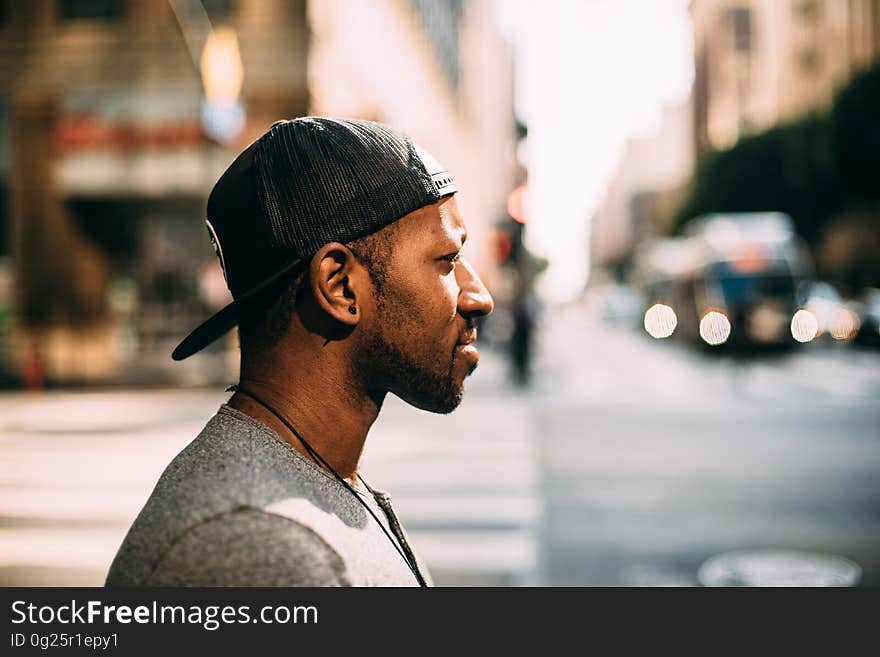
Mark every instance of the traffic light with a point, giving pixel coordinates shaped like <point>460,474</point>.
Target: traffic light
<point>517,204</point>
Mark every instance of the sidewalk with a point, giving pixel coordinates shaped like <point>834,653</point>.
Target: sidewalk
<point>466,484</point>
<point>76,468</point>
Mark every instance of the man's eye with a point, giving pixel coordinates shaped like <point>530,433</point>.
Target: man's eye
<point>452,257</point>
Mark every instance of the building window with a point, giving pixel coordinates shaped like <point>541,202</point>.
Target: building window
<point>808,10</point>
<point>219,10</point>
<point>90,9</point>
<point>740,19</point>
<point>809,60</point>
<point>808,15</point>
<point>440,19</point>
<point>874,9</point>
<point>4,191</point>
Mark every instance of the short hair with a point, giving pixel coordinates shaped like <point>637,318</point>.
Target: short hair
<point>264,320</point>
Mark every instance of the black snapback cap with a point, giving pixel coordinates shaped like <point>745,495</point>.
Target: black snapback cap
<point>303,184</point>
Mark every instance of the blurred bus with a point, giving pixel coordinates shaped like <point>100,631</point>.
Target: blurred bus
<point>732,280</point>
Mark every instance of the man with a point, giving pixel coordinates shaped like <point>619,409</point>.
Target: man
<point>340,241</point>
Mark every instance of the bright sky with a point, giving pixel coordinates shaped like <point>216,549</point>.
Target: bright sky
<point>590,74</point>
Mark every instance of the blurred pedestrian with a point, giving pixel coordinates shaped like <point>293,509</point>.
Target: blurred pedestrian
<point>524,318</point>
<point>340,241</point>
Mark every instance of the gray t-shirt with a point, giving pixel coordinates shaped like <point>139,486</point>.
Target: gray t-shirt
<point>239,506</point>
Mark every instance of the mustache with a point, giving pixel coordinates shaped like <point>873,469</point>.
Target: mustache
<point>468,334</point>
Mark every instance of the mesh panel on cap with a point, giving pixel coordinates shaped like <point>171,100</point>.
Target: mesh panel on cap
<point>324,180</point>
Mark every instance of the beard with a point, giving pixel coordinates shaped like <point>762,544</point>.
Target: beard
<point>431,388</point>
<point>417,376</point>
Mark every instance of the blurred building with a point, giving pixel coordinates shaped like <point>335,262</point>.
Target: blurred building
<point>116,118</point>
<point>440,71</point>
<point>757,63</point>
<point>646,186</point>
<point>760,62</point>
<point>110,164</point>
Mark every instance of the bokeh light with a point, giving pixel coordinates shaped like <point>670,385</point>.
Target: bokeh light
<point>844,325</point>
<point>804,326</point>
<point>517,204</point>
<point>766,323</point>
<point>714,328</point>
<point>223,113</point>
<point>660,321</point>
<point>220,66</point>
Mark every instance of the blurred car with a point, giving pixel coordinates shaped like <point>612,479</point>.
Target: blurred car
<point>868,333</point>
<point>824,302</point>
<point>732,280</point>
<point>839,320</point>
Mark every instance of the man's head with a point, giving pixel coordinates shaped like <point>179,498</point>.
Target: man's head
<point>417,342</point>
<point>360,248</point>
<point>415,301</point>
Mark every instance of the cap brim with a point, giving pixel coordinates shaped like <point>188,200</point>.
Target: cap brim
<point>214,327</point>
<point>220,323</point>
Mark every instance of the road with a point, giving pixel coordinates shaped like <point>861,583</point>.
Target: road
<point>678,457</point>
<point>630,462</point>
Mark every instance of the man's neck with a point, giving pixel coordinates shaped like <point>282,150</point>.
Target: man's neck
<point>319,402</point>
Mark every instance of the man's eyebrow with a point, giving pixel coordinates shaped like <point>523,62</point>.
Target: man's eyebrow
<point>451,238</point>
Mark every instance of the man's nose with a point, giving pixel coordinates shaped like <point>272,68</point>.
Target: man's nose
<point>474,299</point>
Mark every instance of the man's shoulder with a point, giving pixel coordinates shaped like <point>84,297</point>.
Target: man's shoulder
<point>248,546</point>
<point>234,460</point>
<point>224,479</point>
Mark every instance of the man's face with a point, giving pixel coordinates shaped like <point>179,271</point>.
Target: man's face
<point>417,345</point>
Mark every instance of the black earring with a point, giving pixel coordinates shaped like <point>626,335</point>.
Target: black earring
<point>352,310</point>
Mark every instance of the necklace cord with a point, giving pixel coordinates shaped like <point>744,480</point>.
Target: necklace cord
<point>320,461</point>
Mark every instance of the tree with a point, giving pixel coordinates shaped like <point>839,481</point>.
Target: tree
<point>788,168</point>
<point>812,169</point>
<point>855,138</point>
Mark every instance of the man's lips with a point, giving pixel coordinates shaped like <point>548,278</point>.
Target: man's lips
<point>467,339</point>
<point>466,348</point>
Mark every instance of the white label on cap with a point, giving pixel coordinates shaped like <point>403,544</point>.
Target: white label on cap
<point>441,177</point>
<point>215,241</point>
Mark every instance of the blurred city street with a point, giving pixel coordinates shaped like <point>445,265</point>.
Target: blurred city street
<point>630,462</point>
<point>655,458</point>
<point>679,379</point>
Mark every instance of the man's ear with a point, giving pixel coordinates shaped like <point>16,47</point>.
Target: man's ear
<point>338,282</point>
